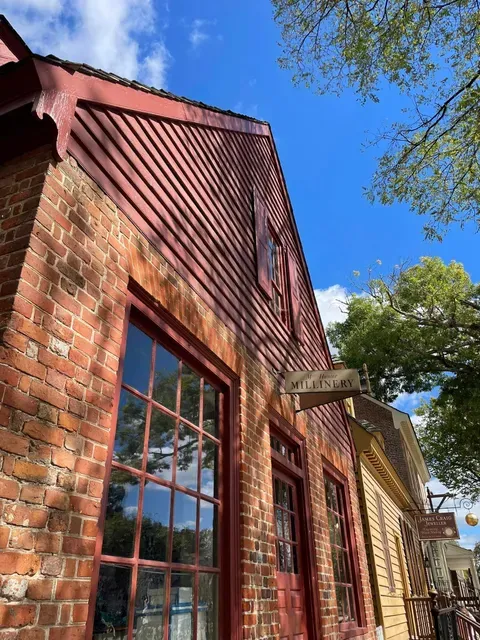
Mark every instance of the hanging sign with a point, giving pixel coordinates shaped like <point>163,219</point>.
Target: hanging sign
<point>321,387</point>
<point>437,526</point>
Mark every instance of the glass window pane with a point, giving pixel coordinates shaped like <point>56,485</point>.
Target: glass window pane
<point>286,526</point>
<point>149,599</point>
<point>155,522</point>
<point>128,448</point>
<point>187,458</point>
<point>138,359</point>
<point>336,568</point>
<point>281,556</point>
<point>210,410</point>
<point>208,534</point>
<point>120,521</point>
<point>190,395</point>
<point>283,495</point>
<point>339,592</point>
<point>288,558</point>
<point>181,607</point>
<point>207,621</point>
<point>165,379</point>
<point>160,445</point>
<point>278,520</point>
<point>184,527</point>
<point>111,608</point>
<point>209,468</point>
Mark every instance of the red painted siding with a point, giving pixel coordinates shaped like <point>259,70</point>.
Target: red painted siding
<point>189,189</point>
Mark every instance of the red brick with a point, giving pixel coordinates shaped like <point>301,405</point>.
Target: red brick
<point>14,444</point>
<point>18,400</point>
<point>94,433</point>
<point>4,536</point>
<point>47,542</point>
<point>73,590</point>
<point>43,432</point>
<point>48,614</point>
<point>21,563</point>
<point>90,528</point>
<point>80,612</point>
<point>20,362</point>
<point>58,521</point>
<point>78,546</point>
<point>32,493</point>
<point>16,615</point>
<point>29,471</point>
<point>62,458</point>
<point>25,516</point>
<point>56,499</point>
<point>9,488</point>
<point>85,568</point>
<point>22,539</point>
<point>47,394</point>
<point>69,422</point>
<point>31,634</point>
<point>67,633</point>
<point>89,468</point>
<point>40,589</point>
<point>84,506</point>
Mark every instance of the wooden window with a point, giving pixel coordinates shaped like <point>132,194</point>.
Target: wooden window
<point>158,550</point>
<point>277,271</point>
<point>415,562</point>
<point>351,616</point>
<point>386,548</point>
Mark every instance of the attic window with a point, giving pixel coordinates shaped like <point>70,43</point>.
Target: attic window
<point>276,272</point>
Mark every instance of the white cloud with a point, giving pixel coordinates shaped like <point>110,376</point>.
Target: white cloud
<point>108,34</point>
<point>198,34</point>
<point>331,304</point>
<point>408,402</point>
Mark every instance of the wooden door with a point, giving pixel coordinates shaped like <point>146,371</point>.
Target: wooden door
<point>290,579</point>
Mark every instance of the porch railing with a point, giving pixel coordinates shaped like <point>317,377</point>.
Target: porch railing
<point>419,618</point>
<point>440,617</point>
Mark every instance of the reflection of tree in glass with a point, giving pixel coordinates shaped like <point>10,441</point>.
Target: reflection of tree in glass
<point>112,600</point>
<point>119,523</point>
<point>129,433</point>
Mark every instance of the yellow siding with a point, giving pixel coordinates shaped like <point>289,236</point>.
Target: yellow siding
<point>390,602</point>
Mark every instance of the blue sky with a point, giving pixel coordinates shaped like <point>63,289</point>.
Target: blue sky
<point>226,56</point>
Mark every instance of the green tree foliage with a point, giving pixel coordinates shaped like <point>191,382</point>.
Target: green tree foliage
<point>428,49</point>
<point>419,330</point>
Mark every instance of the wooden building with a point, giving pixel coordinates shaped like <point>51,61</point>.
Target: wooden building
<point>388,501</point>
<point>154,481</point>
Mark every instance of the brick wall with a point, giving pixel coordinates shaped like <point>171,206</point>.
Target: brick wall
<point>394,446</point>
<point>65,261</point>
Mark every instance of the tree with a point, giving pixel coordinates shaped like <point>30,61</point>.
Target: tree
<point>428,49</point>
<point>419,330</point>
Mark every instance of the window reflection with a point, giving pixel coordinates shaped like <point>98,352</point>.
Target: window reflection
<point>138,357</point>
<point>111,611</point>
<point>160,445</point>
<point>120,521</point>
<point>184,528</point>
<point>187,458</point>
<point>128,448</point>
<point>190,395</point>
<point>155,521</point>
<point>208,534</point>
<point>207,623</point>
<point>209,468</point>
<point>181,607</point>
<point>149,602</point>
<point>165,378</point>
<point>210,410</point>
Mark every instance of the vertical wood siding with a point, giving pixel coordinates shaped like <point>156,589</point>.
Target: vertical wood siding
<point>188,188</point>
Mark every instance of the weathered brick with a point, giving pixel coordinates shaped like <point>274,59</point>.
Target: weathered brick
<point>25,516</point>
<point>21,563</point>
<point>9,489</point>
<point>45,433</point>
<point>13,444</point>
<point>30,471</point>
<point>40,589</point>
<point>16,615</point>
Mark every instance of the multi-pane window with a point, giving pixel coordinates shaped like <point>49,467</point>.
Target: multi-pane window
<point>159,568</point>
<point>285,505</point>
<point>341,552</point>
<point>277,276</point>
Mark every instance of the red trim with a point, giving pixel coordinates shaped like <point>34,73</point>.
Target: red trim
<point>296,440</point>
<point>229,554</point>
<point>359,626</point>
<point>13,41</point>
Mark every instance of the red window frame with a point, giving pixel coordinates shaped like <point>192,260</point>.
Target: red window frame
<point>278,277</point>
<point>357,626</point>
<point>174,337</point>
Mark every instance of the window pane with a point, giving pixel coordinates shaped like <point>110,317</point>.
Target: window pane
<point>128,448</point>
<point>278,520</point>
<point>209,468</point>
<point>165,379</point>
<point>207,625</point>
<point>187,458</point>
<point>208,534</point>
<point>155,522</point>
<point>288,558</point>
<point>120,521</point>
<point>111,608</point>
<point>149,601</point>
<point>210,410</point>
<point>283,495</point>
<point>184,527</point>
<point>138,357</point>
<point>190,395</point>
<point>181,607</point>
<point>160,445</point>
<point>286,526</point>
<point>281,556</point>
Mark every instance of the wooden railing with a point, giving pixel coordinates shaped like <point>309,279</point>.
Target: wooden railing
<point>419,618</point>
<point>467,628</point>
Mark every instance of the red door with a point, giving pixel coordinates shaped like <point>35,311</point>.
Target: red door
<point>290,582</point>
